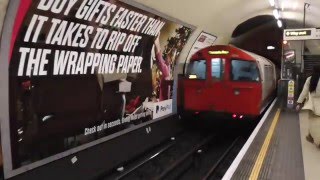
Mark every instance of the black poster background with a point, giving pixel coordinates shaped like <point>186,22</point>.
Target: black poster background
<point>49,113</point>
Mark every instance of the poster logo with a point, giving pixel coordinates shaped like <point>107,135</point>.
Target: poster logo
<point>162,108</point>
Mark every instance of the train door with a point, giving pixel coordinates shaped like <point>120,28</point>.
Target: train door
<point>216,85</point>
<point>195,86</point>
<point>204,89</point>
<point>244,88</point>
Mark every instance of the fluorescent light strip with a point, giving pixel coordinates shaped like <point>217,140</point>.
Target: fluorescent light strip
<point>276,14</point>
<point>270,47</point>
<point>279,22</point>
<point>272,3</point>
<point>295,5</point>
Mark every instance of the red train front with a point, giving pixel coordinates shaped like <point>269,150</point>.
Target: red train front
<point>227,81</point>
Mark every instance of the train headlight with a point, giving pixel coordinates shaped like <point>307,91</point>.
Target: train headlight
<point>236,92</point>
<point>193,76</point>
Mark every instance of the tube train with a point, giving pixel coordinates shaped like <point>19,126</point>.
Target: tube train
<point>228,81</point>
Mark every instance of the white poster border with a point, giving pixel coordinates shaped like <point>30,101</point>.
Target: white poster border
<point>192,49</point>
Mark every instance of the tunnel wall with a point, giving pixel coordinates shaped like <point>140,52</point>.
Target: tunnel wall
<point>3,9</point>
<point>257,40</point>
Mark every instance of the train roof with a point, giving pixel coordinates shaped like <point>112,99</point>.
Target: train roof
<point>228,51</point>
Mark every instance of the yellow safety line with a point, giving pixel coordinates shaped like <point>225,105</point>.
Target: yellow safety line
<point>258,164</point>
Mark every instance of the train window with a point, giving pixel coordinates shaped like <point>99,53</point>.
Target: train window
<point>268,72</point>
<point>197,69</point>
<point>217,68</point>
<point>244,71</point>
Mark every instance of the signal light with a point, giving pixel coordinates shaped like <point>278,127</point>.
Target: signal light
<point>234,116</point>
<point>241,117</point>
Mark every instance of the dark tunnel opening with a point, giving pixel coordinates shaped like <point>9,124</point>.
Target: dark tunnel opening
<point>256,34</point>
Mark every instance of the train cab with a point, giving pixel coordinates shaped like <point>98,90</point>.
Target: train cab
<point>227,81</point>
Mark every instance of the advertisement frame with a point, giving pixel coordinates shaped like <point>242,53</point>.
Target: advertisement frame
<point>8,24</point>
<point>294,59</point>
<point>193,46</point>
<point>287,65</point>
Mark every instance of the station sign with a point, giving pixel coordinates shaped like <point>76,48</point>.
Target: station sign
<point>301,34</point>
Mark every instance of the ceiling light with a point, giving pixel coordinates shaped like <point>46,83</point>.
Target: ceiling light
<point>272,3</point>
<point>270,47</point>
<point>290,15</point>
<point>282,5</point>
<point>287,4</point>
<point>276,14</point>
<point>279,23</point>
<point>295,5</point>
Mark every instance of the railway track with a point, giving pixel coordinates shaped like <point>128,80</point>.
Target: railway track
<point>153,162</point>
<point>223,158</point>
<point>188,156</point>
<point>211,162</point>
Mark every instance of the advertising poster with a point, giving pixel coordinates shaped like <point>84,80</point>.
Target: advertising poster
<point>289,56</point>
<point>204,40</point>
<point>80,70</point>
<point>289,60</point>
<point>290,98</point>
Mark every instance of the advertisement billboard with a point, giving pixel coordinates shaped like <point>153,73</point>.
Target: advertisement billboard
<point>288,63</point>
<point>82,70</point>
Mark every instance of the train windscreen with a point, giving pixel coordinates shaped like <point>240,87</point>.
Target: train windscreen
<point>244,71</point>
<point>197,69</point>
<point>217,68</point>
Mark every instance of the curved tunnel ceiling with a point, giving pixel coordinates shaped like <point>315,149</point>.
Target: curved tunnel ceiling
<point>250,24</point>
<point>222,17</point>
<point>242,23</point>
<point>214,16</point>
